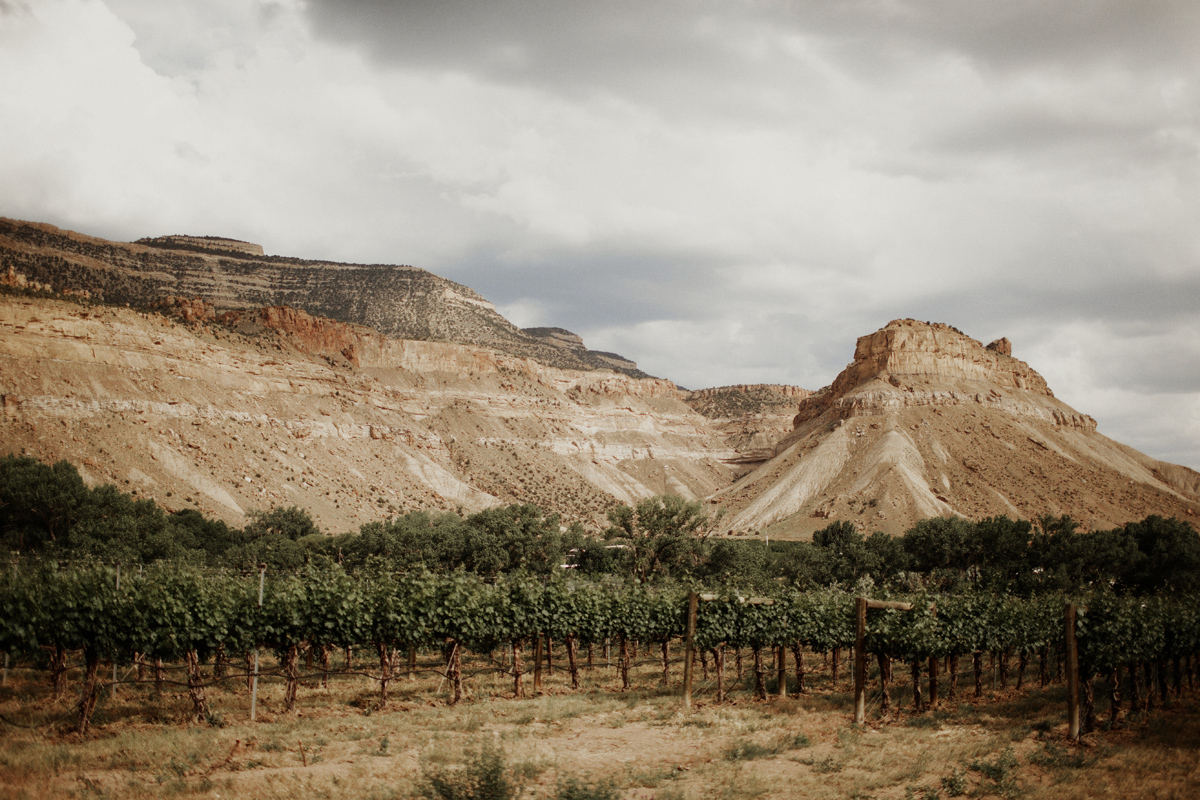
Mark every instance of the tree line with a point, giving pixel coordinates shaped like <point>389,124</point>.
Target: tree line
<point>46,511</point>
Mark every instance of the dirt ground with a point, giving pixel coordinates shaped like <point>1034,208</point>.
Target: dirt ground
<point>641,741</point>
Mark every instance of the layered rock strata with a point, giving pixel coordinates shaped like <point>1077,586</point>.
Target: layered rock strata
<point>400,301</point>
<point>927,421</point>
<point>752,418</point>
<point>277,407</point>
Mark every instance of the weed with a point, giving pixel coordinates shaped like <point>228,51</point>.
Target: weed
<point>920,793</point>
<point>999,771</point>
<point>91,788</point>
<point>697,722</point>
<point>922,721</point>
<point>483,777</point>
<point>823,767</point>
<point>955,784</point>
<point>575,789</point>
<point>649,778</point>
<point>383,746</point>
<point>1055,756</point>
<point>748,751</point>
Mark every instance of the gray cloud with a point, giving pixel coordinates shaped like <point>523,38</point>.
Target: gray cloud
<point>725,191</point>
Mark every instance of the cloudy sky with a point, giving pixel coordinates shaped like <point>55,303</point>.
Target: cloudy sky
<point>726,192</point>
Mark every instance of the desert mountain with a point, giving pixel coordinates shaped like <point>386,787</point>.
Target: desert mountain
<point>927,421</point>
<point>399,301</point>
<point>273,406</point>
<point>395,389</point>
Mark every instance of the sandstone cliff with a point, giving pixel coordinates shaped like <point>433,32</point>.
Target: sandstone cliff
<point>277,407</point>
<point>751,418</point>
<point>927,421</point>
<point>400,301</point>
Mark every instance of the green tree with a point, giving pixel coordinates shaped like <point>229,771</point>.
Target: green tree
<point>1169,555</point>
<point>663,535</point>
<point>39,504</point>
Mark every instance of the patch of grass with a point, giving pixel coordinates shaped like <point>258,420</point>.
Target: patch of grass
<point>1001,771</point>
<point>572,788</point>
<point>748,751</point>
<point>799,742</point>
<point>825,766</point>
<point>649,778</point>
<point>1057,757</point>
<point>955,784</point>
<point>484,776</point>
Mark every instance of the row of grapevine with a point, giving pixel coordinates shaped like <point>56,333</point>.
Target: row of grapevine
<point>178,614</point>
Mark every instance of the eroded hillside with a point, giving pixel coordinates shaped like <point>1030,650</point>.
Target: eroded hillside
<point>927,421</point>
<point>276,407</point>
<point>400,301</point>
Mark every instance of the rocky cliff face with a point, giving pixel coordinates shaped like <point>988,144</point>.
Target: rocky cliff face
<point>909,364</point>
<point>927,421</point>
<point>277,407</point>
<point>751,418</point>
<point>400,301</point>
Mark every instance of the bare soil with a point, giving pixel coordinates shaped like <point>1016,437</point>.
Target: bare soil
<point>338,744</point>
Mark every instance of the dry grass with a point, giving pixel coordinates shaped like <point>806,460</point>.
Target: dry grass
<point>337,746</point>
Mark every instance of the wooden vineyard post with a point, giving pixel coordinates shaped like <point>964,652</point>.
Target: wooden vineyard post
<point>1072,673</point>
<point>861,606</point>
<point>262,577</point>
<point>114,666</point>
<point>4,679</point>
<point>537,664</point>
<point>781,669</point>
<point>860,661</point>
<point>689,648</point>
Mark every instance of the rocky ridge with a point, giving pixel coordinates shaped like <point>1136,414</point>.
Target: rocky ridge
<point>927,421</point>
<point>277,407</point>
<point>400,301</point>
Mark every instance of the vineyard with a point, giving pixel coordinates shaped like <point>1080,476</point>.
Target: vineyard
<point>209,627</point>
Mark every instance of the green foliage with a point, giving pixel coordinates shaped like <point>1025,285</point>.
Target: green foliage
<point>572,788</point>
<point>1169,555</point>
<point>483,777</point>
<point>955,784</point>
<point>39,503</point>
<point>1000,771</point>
<point>663,536</point>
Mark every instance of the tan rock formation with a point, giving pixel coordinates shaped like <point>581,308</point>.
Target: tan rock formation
<point>218,243</point>
<point>400,301</point>
<point>278,407</point>
<point>927,421</point>
<point>751,418</point>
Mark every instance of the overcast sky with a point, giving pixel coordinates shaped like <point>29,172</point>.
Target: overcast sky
<point>725,192</point>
